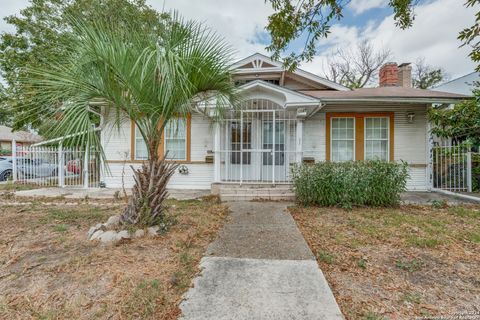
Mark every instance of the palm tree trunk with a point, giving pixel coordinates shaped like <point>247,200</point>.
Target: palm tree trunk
<point>146,206</point>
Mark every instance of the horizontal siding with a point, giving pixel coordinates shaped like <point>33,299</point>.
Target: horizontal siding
<point>410,146</point>
<point>417,180</point>
<point>200,176</point>
<point>202,137</point>
<point>410,143</point>
<point>116,141</point>
<point>314,137</point>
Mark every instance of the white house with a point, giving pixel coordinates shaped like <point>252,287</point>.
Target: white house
<point>284,118</point>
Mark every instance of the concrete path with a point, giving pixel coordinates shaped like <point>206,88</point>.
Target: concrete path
<point>104,193</point>
<point>260,267</point>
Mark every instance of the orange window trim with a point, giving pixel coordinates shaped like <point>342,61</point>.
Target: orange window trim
<point>161,147</point>
<point>359,131</point>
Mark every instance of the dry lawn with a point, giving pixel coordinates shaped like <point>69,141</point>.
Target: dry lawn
<point>397,263</point>
<point>48,270</point>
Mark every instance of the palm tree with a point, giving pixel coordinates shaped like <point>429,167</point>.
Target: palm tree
<point>144,76</point>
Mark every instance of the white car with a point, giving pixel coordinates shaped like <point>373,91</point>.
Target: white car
<point>5,168</point>
<point>35,168</point>
<point>27,168</point>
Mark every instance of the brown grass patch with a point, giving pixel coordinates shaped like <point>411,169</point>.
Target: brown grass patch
<point>49,270</point>
<point>397,263</point>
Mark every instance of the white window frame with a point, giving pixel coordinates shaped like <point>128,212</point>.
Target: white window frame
<point>365,136</point>
<point>186,139</point>
<point>135,144</point>
<point>354,136</point>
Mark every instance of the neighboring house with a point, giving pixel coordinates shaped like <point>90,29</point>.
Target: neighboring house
<point>22,138</point>
<point>286,118</point>
<point>462,85</point>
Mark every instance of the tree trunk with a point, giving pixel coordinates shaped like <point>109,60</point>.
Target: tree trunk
<point>146,206</point>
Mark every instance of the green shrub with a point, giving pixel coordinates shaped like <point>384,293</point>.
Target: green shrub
<point>348,184</point>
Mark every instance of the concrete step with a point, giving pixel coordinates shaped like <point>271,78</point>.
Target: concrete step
<point>248,192</point>
<point>250,197</point>
<point>216,187</point>
<point>259,192</point>
<point>252,186</point>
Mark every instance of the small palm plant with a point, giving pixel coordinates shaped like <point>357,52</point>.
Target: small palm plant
<point>132,74</point>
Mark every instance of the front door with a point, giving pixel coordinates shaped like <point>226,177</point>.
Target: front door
<point>257,148</point>
<point>273,157</point>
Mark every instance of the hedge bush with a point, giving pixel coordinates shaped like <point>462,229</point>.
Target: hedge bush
<point>347,184</point>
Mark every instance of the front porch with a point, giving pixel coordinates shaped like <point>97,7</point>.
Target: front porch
<point>258,143</point>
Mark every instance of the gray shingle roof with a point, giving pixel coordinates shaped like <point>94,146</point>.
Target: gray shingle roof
<point>384,92</point>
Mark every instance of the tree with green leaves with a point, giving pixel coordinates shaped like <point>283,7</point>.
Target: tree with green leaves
<point>314,18</point>
<point>471,36</point>
<point>462,122</point>
<point>42,35</point>
<point>5,110</point>
<point>132,73</point>
<point>426,76</point>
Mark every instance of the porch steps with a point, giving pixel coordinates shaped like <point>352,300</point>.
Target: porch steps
<point>249,192</point>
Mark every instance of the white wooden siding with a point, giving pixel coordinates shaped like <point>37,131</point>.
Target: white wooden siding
<point>117,148</point>
<point>116,141</point>
<point>409,138</point>
<point>200,176</point>
<point>202,137</point>
<point>410,145</point>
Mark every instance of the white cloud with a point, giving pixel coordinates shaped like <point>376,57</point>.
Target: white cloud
<point>239,22</point>
<point>360,6</point>
<point>10,7</point>
<point>432,36</point>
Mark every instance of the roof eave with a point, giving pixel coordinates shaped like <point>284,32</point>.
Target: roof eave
<point>394,100</point>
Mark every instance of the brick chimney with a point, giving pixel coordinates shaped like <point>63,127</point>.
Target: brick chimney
<point>388,75</point>
<point>405,75</point>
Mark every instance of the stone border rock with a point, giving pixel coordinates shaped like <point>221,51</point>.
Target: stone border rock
<point>106,233</point>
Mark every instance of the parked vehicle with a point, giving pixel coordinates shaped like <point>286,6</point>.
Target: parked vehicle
<point>36,168</point>
<point>5,168</point>
<point>75,166</point>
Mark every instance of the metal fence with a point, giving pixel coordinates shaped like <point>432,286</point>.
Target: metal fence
<point>452,167</point>
<point>56,166</point>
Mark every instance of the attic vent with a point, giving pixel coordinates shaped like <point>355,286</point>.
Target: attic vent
<point>257,63</point>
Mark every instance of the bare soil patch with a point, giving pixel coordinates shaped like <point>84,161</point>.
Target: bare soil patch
<point>397,263</point>
<point>49,270</point>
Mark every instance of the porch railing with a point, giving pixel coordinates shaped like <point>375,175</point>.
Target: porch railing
<point>262,166</point>
<point>452,167</point>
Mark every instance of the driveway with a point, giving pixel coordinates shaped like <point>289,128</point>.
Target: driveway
<point>260,267</point>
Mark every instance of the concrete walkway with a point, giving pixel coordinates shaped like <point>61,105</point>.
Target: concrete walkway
<point>104,193</point>
<point>260,267</point>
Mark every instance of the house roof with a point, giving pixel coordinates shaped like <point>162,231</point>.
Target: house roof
<point>461,85</point>
<point>281,95</point>
<point>393,94</point>
<point>6,134</point>
<point>259,63</point>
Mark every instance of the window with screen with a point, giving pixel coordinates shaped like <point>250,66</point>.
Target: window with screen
<point>141,151</point>
<point>176,139</point>
<point>376,138</point>
<point>343,139</point>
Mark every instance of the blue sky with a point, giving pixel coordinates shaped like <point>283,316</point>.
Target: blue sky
<point>242,23</point>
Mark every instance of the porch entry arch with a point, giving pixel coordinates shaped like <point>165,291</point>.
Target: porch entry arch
<point>258,143</point>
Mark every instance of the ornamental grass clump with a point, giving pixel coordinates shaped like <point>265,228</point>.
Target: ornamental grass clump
<point>348,184</point>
